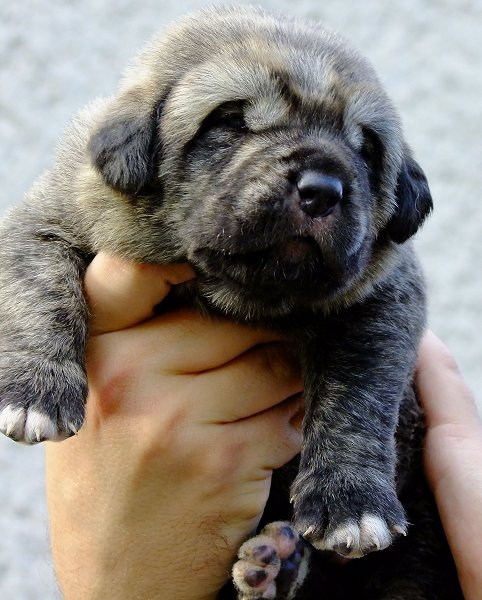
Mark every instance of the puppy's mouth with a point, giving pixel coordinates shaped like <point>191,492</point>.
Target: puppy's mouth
<point>296,262</point>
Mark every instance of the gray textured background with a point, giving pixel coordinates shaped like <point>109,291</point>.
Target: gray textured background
<point>58,54</point>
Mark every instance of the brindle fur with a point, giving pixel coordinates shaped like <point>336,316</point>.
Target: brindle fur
<point>197,158</point>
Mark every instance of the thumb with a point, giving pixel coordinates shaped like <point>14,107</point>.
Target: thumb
<point>121,294</point>
<point>445,398</point>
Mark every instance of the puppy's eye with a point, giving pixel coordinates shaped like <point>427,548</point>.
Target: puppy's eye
<point>372,154</point>
<point>372,149</point>
<point>219,129</point>
<point>228,116</point>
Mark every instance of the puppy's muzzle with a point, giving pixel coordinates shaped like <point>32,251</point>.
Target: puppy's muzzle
<point>318,193</point>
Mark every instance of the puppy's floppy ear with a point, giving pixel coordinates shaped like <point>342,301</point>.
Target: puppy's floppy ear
<point>414,201</point>
<point>123,147</point>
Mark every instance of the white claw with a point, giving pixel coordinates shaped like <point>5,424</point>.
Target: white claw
<point>39,426</point>
<point>359,537</point>
<point>309,531</point>
<point>400,530</point>
<point>73,428</point>
<point>374,532</point>
<point>12,420</point>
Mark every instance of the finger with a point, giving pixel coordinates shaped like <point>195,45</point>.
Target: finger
<point>260,379</point>
<point>251,383</point>
<point>121,294</point>
<point>180,341</point>
<point>273,436</point>
<point>445,397</point>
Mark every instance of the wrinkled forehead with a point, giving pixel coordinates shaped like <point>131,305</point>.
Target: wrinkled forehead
<point>271,87</point>
<point>279,85</point>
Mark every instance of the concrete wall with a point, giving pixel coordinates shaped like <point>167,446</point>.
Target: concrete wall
<point>58,54</point>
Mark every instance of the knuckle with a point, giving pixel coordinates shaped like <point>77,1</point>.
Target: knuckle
<point>450,364</point>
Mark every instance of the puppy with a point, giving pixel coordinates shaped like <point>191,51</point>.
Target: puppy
<point>265,152</point>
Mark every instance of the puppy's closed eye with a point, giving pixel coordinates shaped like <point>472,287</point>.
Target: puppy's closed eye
<point>372,153</point>
<point>220,129</point>
<point>229,115</point>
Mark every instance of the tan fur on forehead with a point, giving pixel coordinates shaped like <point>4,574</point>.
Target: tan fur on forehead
<point>274,79</point>
<point>243,35</point>
<point>222,80</point>
<point>237,31</point>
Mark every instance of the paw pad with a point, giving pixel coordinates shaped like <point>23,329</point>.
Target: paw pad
<point>272,564</point>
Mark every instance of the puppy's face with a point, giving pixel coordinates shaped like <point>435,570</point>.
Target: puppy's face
<point>281,211</point>
<point>276,165</point>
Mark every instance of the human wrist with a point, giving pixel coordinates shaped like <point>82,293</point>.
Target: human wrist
<point>95,569</point>
<point>100,553</point>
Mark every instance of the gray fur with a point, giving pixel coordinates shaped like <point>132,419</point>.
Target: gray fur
<point>197,158</point>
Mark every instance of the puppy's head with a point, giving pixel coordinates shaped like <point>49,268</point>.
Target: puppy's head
<point>266,153</point>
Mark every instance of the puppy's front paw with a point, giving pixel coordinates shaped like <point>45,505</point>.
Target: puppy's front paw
<point>41,400</point>
<point>351,516</point>
<point>272,565</point>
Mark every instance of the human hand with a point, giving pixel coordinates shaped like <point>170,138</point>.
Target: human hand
<point>453,458</point>
<point>186,419</point>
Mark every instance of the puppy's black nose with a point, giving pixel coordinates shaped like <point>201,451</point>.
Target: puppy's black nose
<point>319,193</point>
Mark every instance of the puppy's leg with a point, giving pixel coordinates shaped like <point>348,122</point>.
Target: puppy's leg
<point>344,495</point>
<point>43,327</point>
<point>273,565</point>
